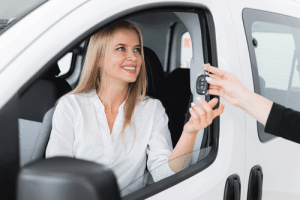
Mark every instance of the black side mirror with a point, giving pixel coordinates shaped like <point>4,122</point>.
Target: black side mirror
<point>63,178</point>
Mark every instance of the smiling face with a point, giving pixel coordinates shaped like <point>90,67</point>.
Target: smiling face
<point>123,59</point>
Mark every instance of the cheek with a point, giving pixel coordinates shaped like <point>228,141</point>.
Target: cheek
<point>117,60</point>
<point>139,61</point>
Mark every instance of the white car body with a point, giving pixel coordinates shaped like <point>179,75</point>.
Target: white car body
<point>30,44</point>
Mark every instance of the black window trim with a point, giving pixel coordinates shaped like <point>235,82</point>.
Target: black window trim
<point>9,148</point>
<point>251,15</point>
<point>210,55</point>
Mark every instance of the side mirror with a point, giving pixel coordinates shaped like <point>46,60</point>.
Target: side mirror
<point>63,178</point>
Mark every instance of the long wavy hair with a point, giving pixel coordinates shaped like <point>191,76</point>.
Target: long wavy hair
<point>90,76</point>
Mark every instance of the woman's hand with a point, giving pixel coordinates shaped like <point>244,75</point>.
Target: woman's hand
<point>202,117</point>
<point>226,85</point>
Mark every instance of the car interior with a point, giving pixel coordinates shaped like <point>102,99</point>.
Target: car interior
<point>167,81</point>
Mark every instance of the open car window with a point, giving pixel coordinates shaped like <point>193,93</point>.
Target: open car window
<point>205,146</point>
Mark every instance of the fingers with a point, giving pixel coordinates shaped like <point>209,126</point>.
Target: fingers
<point>212,103</point>
<point>202,117</point>
<point>220,110</point>
<point>214,70</point>
<point>215,81</point>
<point>204,104</point>
<point>211,114</point>
<point>215,91</point>
<point>193,113</point>
<point>198,110</point>
<point>213,87</point>
<point>214,76</point>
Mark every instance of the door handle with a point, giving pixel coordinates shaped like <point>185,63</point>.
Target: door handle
<point>232,188</point>
<point>255,183</point>
<point>236,189</point>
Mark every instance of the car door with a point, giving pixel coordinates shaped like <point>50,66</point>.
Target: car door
<point>219,163</point>
<point>197,187</point>
<point>268,36</point>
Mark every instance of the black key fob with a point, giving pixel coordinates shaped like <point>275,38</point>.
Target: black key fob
<point>202,85</point>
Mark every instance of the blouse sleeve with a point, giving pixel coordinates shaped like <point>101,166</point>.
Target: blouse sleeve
<point>284,122</point>
<point>160,145</point>
<point>62,133</point>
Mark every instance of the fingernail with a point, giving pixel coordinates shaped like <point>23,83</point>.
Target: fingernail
<point>206,65</point>
<point>208,79</point>
<point>199,98</point>
<point>193,103</point>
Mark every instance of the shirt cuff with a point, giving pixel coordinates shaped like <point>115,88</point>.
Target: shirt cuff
<point>162,172</point>
<point>274,119</point>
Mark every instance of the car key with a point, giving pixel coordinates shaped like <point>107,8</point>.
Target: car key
<point>201,84</point>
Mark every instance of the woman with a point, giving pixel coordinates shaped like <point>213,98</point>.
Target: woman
<point>278,120</point>
<point>108,111</point>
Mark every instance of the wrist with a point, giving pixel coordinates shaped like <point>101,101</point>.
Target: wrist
<point>243,98</point>
<point>189,134</point>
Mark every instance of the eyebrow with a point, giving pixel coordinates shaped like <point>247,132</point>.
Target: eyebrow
<point>126,45</point>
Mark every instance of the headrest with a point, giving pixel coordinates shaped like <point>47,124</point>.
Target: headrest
<point>155,73</point>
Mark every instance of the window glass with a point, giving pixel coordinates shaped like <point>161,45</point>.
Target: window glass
<point>277,62</point>
<point>64,64</point>
<point>186,50</point>
<point>274,47</point>
<point>162,171</point>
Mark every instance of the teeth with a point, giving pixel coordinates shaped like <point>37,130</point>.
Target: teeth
<point>131,68</point>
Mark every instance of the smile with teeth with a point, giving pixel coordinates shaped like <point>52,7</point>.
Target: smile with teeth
<point>132,68</point>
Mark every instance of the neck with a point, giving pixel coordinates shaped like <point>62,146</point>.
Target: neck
<point>112,95</point>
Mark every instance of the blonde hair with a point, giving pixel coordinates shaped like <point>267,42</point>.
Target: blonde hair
<point>90,76</point>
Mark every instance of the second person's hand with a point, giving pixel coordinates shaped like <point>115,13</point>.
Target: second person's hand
<point>226,85</point>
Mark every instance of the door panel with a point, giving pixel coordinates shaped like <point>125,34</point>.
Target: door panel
<point>277,157</point>
<point>210,183</point>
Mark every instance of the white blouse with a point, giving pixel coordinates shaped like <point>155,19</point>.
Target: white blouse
<point>80,130</point>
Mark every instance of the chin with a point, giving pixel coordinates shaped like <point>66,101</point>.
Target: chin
<point>131,81</point>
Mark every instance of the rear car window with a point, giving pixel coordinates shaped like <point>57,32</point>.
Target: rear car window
<point>186,50</point>
<point>64,64</point>
<point>274,47</point>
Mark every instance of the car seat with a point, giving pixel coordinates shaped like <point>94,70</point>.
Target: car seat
<point>178,87</point>
<point>35,114</point>
<point>157,89</point>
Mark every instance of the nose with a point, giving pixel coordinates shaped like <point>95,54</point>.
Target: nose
<point>131,56</point>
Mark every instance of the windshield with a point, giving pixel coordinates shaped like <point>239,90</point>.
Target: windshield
<point>11,11</point>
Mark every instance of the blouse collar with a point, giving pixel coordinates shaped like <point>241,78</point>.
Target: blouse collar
<point>94,94</point>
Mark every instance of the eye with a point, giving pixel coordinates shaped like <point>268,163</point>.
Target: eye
<point>121,48</point>
<point>138,50</point>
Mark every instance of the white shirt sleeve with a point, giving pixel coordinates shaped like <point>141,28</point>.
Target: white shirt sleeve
<point>160,145</point>
<point>62,133</point>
